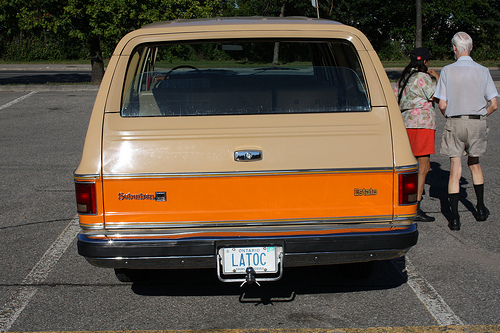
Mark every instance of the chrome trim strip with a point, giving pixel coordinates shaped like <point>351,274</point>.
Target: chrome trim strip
<point>407,168</point>
<point>168,235</point>
<point>85,177</point>
<point>290,260</point>
<point>405,217</point>
<point>247,173</point>
<point>328,258</point>
<point>358,220</point>
<point>155,262</point>
<point>92,226</point>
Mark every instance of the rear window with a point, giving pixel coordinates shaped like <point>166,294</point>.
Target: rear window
<point>242,77</point>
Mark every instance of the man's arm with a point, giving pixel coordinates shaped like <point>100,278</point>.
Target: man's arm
<point>442,106</point>
<point>492,106</point>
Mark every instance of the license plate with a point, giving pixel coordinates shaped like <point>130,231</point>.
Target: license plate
<point>263,259</point>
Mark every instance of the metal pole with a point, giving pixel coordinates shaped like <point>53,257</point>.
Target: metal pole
<point>315,4</point>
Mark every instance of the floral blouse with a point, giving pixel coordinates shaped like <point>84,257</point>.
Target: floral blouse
<point>416,106</point>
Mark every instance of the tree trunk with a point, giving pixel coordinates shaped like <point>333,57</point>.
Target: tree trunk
<point>418,39</point>
<point>276,57</point>
<point>96,60</point>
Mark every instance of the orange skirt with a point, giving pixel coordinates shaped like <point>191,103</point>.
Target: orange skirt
<point>422,141</point>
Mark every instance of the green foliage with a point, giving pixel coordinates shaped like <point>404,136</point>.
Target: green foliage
<point>29,48</point>
<point>69,29</point>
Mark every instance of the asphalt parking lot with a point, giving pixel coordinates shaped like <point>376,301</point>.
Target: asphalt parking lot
<point>449,281</point>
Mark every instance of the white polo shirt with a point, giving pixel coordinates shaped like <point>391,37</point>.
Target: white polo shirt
<point>466,87</point>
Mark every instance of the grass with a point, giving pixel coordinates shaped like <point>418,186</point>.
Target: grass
<point>386,64</point>
<point>437,63</point>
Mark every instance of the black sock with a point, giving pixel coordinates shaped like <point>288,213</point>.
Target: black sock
<point>454,197</point>
<point>479,194</point>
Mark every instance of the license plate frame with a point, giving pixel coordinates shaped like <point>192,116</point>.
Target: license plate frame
<point>263,259</point>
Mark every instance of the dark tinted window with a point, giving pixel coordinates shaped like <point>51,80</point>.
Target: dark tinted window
<point>244,77</point>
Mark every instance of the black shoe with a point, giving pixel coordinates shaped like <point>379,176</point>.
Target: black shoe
<point>423,217</point>
<point>482,213</point>
<point>455,222</point>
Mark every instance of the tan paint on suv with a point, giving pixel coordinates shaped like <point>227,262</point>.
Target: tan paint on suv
<point>307,157</point>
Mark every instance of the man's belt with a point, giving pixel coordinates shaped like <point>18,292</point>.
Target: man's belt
<point>469,116</point>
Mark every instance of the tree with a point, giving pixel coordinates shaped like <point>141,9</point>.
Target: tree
<point>98,24</point>
<point>66,28</point>
<point>277,44</point>
<point>390,25</point>
<point>107,21</point>
<point>442,19</point>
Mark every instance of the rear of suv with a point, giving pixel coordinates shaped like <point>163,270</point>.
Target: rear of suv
<point>248,145</point>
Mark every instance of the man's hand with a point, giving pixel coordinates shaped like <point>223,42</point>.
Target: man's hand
<point>442,106</point>
<point>492,106</point>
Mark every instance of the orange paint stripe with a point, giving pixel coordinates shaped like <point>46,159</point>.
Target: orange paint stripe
<point>284,197</point>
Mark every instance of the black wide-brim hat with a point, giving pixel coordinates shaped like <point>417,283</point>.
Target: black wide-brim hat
<point>420,53</point>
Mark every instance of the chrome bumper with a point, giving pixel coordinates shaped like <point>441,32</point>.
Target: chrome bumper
<point>202,253</point>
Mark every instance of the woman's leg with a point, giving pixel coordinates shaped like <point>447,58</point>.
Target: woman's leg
<point>424,165</point>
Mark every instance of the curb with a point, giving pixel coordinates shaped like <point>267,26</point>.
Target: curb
<point>86,87</point>
<point>49,87</point>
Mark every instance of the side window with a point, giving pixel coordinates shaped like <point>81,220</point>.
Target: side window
<point>241,77</point>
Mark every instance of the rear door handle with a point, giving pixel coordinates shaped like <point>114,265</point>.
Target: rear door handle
<point>247,155</point>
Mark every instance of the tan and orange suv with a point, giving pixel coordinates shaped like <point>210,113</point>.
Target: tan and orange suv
<point>248,145</point>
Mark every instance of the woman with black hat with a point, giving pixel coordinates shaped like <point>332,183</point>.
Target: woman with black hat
<point>415,90</point>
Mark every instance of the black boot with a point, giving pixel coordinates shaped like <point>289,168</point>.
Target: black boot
<point>455,222</point>
<point>455,218</point>
<point>422,216</point>
<point>481,211</point>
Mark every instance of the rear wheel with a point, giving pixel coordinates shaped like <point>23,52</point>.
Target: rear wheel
<point>129,275</point>
<point>359,270</point>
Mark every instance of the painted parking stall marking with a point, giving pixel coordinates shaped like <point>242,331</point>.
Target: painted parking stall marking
<point>28,288</point>
<point>17,100</point>
<point>430,298</point>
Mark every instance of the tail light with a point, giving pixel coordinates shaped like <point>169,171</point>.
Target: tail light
<point>408,186</point>
<point>85,198</point>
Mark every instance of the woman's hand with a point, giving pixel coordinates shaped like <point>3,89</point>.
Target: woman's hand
<point>433,73</point>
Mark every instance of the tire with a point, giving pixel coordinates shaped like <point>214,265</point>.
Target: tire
<point>359,271</point>
<point>128,275</point>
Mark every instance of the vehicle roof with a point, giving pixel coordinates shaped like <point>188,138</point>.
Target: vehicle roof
<point>207,27</point>
<point>233,21</point>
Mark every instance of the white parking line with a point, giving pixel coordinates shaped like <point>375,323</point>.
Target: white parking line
<point>17,100</point>
<point>429,297</point>
<point>28,288</point>
<point>434,303</point>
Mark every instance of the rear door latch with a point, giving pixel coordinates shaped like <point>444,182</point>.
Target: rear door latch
<point>247,155</point>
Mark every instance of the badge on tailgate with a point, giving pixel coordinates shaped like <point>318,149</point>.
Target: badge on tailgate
<point>247,155</point>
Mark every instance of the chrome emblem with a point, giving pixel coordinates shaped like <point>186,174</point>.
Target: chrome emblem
<point>161,196</point>
<point>365,192</point>
<point>158,196</point>
<point>247,155</point>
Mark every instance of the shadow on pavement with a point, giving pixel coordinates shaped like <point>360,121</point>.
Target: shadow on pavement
<point>437,178</point>
<point>386,274</point>
<point>46,77</point>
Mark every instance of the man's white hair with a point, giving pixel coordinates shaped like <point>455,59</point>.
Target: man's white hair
<point>463,42</point>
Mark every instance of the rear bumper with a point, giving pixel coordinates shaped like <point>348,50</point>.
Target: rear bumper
<point>202,253</point>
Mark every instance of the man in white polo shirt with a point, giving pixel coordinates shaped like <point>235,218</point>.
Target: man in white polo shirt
<point>467,95</point>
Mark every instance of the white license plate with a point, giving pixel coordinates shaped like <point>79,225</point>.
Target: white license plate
<point>263,259</point>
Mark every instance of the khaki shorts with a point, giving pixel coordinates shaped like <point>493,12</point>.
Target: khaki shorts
<point>464,136</point>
